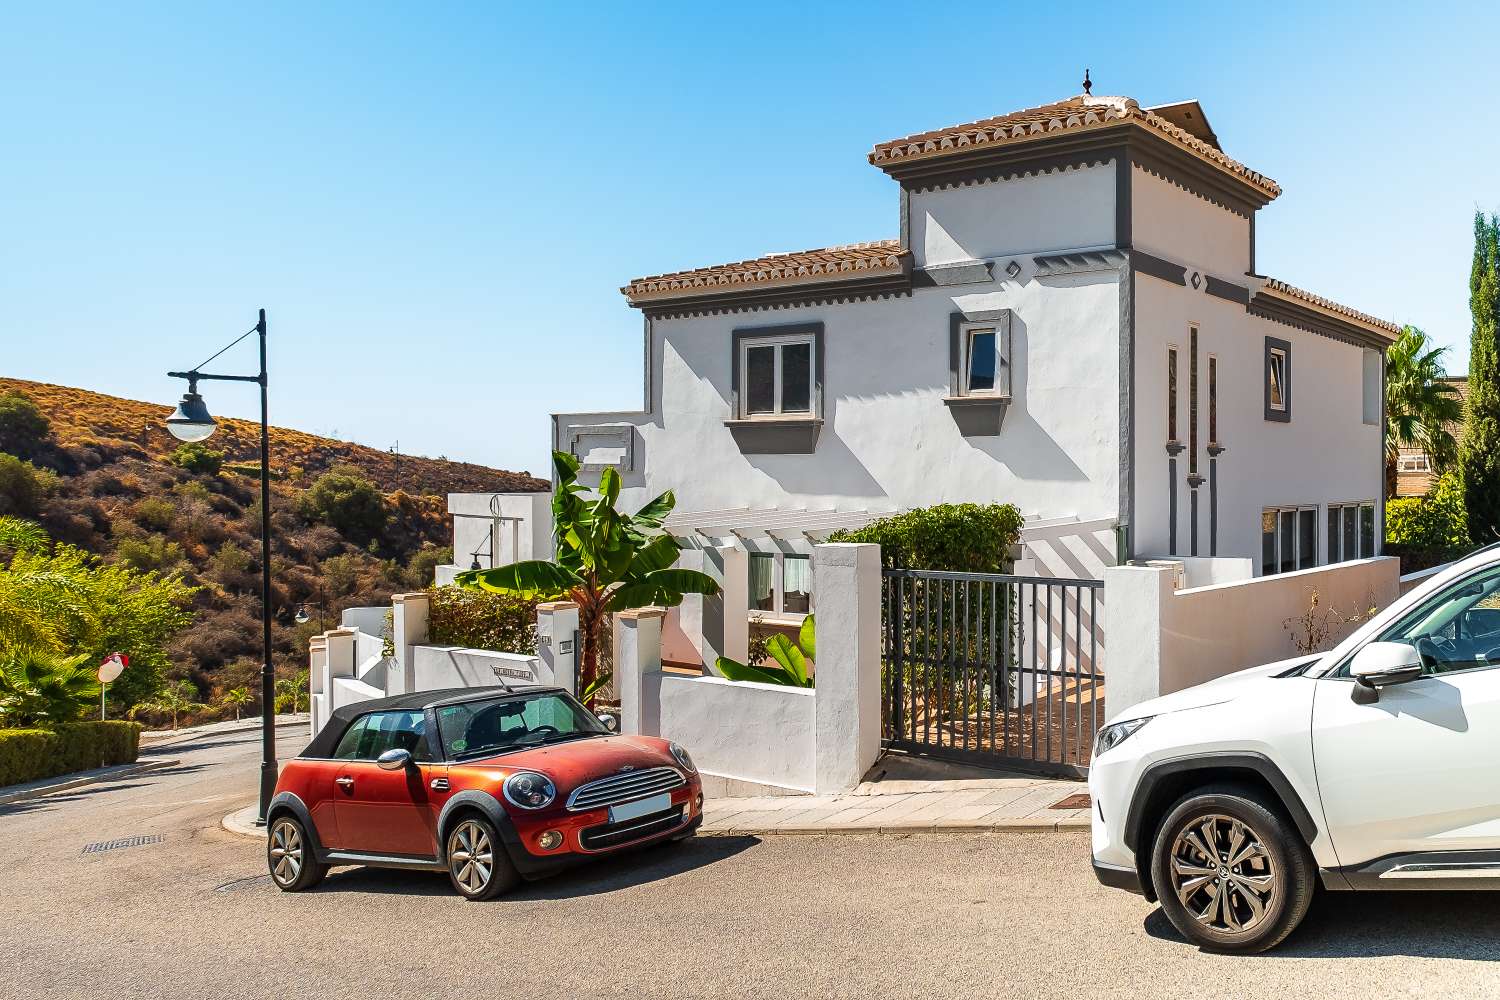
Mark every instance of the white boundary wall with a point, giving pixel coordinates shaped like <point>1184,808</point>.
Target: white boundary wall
<point>1163,640</point>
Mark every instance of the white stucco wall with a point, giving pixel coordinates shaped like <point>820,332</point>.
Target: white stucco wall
<point>453,666</point>
<point>1037,213</point>
<point>1325,454</point>
<point>760,733</point>
<point>888,441</point>
<point>478,536</point>
<point>1172,223</point>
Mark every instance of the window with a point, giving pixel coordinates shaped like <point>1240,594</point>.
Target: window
<point>1213,400</point>
<point>1193,400</point>
<point>1372,389</point>
<point>1456,629</point>
<point>513,722</point>
<point>372,735</point>
<point>1418,462</point>
<point>781,583</point>
<point>981,360</point>
<point>1278,380</point>
<point>1171,394</point>
<point>776,376</point>
<point>1289,539</point>
<point>1351,531</point>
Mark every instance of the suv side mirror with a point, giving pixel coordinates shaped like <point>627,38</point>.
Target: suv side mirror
<point>1381,664</point>
<point>610,722</point>
<point>394,760</point>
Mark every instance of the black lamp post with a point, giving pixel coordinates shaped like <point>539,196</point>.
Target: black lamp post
<point>191,422</point>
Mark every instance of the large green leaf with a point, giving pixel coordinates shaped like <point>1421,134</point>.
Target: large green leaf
<point>736,671</point>
<point>658,554</point>
<point>609,486</point>
<point>534,579</point>
<point>656,511</point>
<point>807,638</point>
<point>566,467</point>
<point>789,656</point>
<point>664,588</point>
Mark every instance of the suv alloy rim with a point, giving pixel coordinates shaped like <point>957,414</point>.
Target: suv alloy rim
<point>1222,874</point>
<point>286,852</point>
<point>471,856</point>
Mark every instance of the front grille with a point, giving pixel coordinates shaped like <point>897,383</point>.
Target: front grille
<point>598,838</point>
<point>619,788</point>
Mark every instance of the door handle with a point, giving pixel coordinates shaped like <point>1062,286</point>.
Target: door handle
<point>345,783</point>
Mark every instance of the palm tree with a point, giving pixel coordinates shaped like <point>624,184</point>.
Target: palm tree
<point>174,700</point>
<point>606,562</point>
<point>235,698</point>
<point>1419,405</point>
<point>38,687</point>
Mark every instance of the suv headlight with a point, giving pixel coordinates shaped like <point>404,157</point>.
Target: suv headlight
<point>530,790</point>
<point>1112,736</point>
<point>683,758</point>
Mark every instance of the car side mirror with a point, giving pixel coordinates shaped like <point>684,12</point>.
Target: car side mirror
<point>610,722</point>
<point>1381,664</point>
<point>394,760</point>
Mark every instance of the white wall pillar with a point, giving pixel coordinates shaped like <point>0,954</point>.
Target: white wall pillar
<point>317,665</point>
<point>410,615</point>
<point>1135,599</point>
<point>637,656</point>
<point>734,599</point>
<point>847,712</point>
<point>339,643</point>
<point>556,626</point>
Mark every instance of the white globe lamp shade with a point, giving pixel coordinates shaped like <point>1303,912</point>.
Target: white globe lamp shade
<point>191,421</point>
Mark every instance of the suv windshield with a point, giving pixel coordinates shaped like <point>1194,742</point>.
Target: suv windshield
<point>514,722</point>
<point>1458,628</point>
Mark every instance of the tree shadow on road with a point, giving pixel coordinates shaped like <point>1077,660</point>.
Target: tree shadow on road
<point>41,802</point>
<point>1461,925</point>
<point>625,871</point>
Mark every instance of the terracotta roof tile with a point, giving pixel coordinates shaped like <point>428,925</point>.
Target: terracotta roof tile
<point>1074,114</point>
<point>1328,305</point>
<point>799,267</point>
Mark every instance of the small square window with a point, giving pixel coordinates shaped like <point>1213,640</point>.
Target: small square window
<point>776,376</point>
<point>983,360</point>
<point>980,355</point>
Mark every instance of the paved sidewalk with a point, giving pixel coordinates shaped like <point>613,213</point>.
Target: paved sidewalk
<point>969,805</point>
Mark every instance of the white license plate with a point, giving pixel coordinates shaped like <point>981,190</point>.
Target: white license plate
<point>640,807</point>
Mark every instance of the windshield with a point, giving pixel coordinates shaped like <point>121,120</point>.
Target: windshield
<point>514,722</point>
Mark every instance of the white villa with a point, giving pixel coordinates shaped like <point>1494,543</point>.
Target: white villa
<point>1071,319</point>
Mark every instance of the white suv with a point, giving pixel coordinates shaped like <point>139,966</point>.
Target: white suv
<point>1373,766</point>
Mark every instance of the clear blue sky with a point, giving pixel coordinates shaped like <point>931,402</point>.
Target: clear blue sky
<point>437,203</point>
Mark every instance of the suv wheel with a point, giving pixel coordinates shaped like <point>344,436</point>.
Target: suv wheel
<point>1231,872</point>
<point>477,863</point>
<point>289,856</point>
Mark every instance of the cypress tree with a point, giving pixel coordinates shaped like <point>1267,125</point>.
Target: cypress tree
<point>1479,454</point>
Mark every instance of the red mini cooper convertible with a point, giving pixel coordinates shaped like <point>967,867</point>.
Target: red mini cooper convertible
<point>491,785</point>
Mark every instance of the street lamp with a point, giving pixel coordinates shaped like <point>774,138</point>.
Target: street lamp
<point>192,422</point>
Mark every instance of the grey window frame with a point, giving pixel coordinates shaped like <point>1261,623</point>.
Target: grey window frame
<point>1345,508</point>
<point>743,340</point>
<point>1297,555</point>
<point>1283,413</point>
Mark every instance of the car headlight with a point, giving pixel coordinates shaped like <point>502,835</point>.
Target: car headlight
<point>530,790</point>
<point>1112,736</point>
<point>683,758</point>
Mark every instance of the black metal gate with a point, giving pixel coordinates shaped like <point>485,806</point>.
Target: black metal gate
<point>993,669</point>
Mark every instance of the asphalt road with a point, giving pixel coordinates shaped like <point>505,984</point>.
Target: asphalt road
<point>1015,915</point>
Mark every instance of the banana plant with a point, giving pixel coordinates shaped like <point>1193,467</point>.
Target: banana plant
<point>607,561</point>
<point>790,669</point>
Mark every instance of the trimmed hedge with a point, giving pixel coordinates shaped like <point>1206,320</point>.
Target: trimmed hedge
<point>975,538</point>
<point>33,754</point>
<point>479,619</point>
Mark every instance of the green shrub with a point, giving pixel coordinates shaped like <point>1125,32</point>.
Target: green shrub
<point>419,570</point>
<point>197,458</point>
<point>41,688</point>
<point>33,754</point>
<point>971,537</point>
<point>478,619</point>
<point>23,486</point>
<point>1435,522</point>
<point>347,501</point>
<point>151,552</point>
<point>22,426</point>
<point>156,513</point>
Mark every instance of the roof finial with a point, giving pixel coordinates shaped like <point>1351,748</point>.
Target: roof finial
<point>1088,85</point>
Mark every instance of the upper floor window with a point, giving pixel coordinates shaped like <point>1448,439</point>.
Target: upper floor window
<point>981,360</point>
<point>1171,394</point>
<point>1414,462</point>
<point>1278,380</point>
<point>980,356</point>
<point>776,375</point>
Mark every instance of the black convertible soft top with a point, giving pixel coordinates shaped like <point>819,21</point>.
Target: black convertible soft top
<point>328,737</point>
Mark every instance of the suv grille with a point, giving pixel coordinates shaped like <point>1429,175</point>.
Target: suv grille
<point>619,788</point>
<point>599,838</point>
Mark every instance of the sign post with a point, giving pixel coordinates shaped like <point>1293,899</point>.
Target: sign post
<point>114,664</point>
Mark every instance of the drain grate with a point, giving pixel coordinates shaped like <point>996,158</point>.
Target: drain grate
<point>114,845</point>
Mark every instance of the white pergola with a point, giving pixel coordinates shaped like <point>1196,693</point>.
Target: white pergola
<point>700,527</point>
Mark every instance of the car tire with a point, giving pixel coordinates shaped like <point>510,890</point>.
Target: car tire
<point>1231,871</point>
<point>290,856</point>
<point>478,865</point>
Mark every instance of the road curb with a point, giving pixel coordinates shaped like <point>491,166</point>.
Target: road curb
<point>242,823</point>
<point>171,741</point>
<point>92,779</point>
<point>895,829</point>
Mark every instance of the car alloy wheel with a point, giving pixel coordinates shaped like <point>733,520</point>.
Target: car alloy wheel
<point>471,857</point>
<point>1222,874</point>
<point>286,852</point>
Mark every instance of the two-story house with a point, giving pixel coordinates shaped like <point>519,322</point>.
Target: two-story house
<point>1071,319</point>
